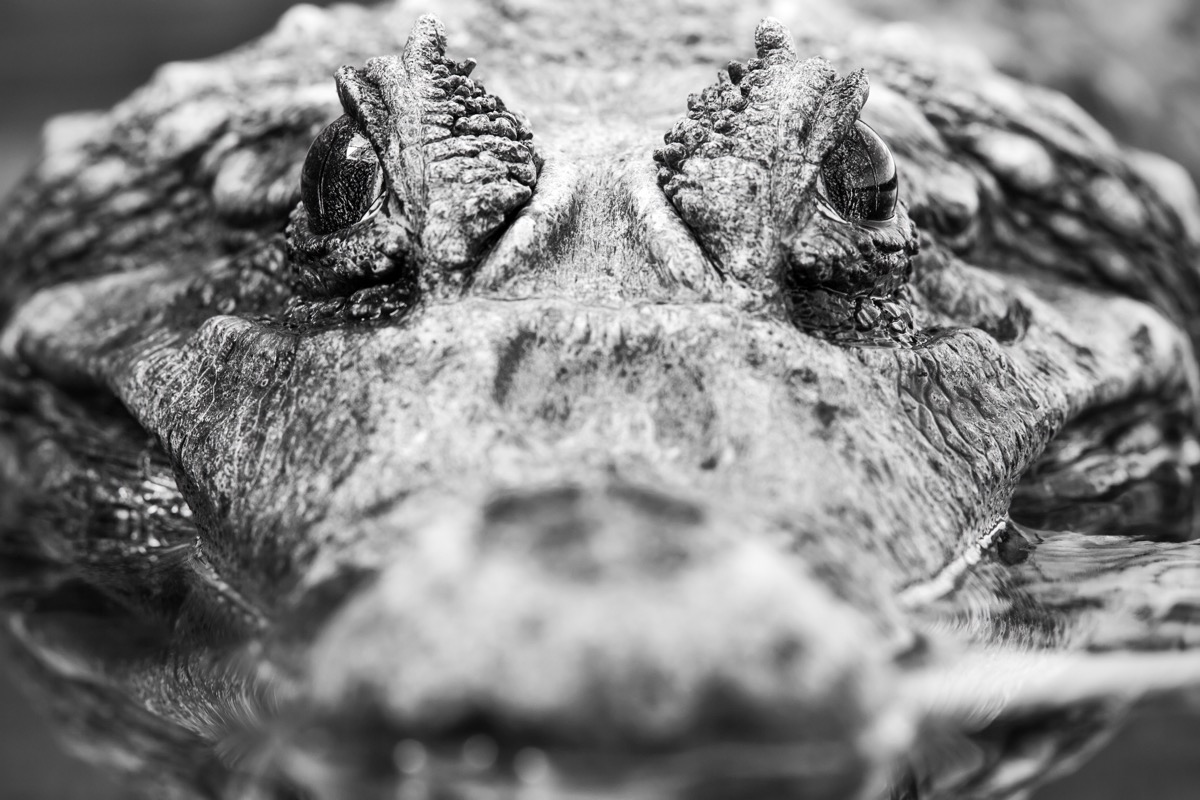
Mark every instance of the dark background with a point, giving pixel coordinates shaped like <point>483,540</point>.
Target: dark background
<point>1136,66</point>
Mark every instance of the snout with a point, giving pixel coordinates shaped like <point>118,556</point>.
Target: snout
<point>589,638</point>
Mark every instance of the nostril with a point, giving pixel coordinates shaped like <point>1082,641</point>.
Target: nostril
<point>515,508</point>
<point>590,532</point>
<point>545,520</point>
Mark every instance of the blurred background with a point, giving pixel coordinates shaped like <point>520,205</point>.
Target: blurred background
<point>1134,66</point>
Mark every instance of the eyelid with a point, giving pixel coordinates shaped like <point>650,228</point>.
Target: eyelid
<point>824,207</point>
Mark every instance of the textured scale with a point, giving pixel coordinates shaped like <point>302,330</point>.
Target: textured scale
<point>744,171</point>
<point>596,445</point>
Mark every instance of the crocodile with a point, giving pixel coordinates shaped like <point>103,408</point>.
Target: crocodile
<point>825,430</point>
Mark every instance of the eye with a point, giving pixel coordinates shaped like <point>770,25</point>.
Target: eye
<point>860,177</point>
<point>342,182</point>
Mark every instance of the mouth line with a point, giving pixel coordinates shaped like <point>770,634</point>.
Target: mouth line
<point>100,522</point>
<point>1125,468</point>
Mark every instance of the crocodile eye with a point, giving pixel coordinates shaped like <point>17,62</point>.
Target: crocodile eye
<point>860,177</point>
<point>342,182</point>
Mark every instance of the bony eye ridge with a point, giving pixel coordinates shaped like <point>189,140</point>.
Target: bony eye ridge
<point>341,183</point>
<point>859,178</point>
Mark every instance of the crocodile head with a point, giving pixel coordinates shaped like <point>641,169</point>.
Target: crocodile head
<point>368,432</point>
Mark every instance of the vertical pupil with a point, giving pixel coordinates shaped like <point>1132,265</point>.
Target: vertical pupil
<point>860,177</point>
<point>340,178</point>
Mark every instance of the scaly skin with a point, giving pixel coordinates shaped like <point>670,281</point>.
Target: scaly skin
<point>608,457</point>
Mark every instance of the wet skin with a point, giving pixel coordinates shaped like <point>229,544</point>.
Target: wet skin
<point>756,443</point>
